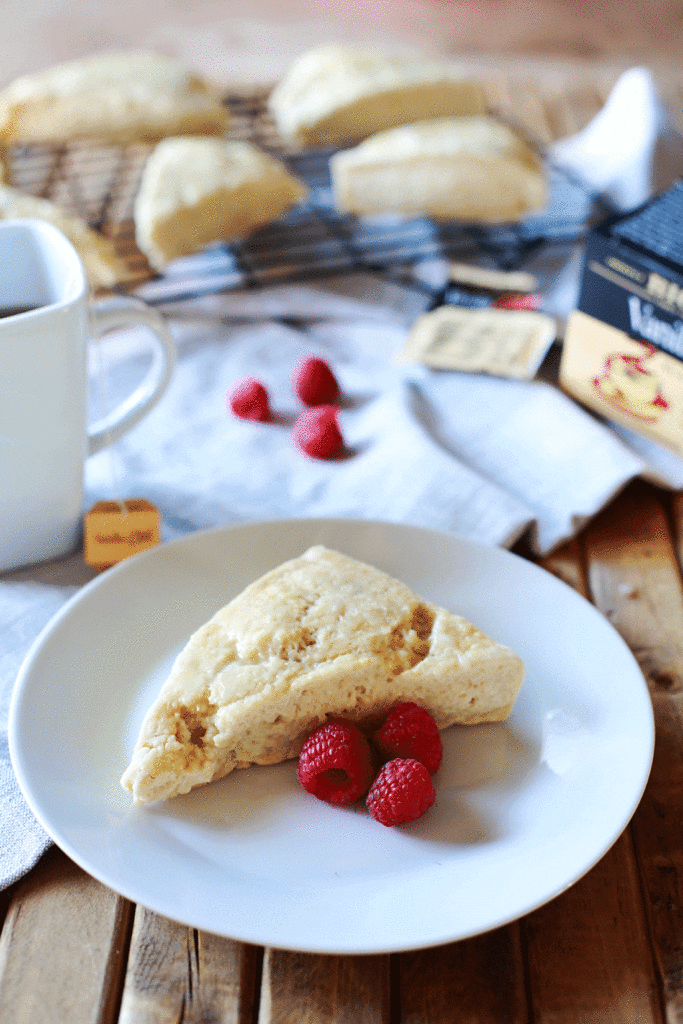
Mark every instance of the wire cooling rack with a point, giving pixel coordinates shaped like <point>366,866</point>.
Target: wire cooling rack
<point>99,183</point>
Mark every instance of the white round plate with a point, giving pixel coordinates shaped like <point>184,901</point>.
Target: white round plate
<point>523,808</point>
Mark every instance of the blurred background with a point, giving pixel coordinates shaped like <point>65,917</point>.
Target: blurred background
<point>243,42</point>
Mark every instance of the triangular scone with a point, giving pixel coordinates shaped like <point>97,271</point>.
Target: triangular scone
<point>320,635</point>
<point>336,95</point>
<point>195,191</point>
<point>452,168</point>
<point>116,97</point>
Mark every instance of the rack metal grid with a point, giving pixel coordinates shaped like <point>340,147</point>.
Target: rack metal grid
<point>99,182</point>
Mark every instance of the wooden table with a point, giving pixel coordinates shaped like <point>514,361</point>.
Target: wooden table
<point>610,949</point>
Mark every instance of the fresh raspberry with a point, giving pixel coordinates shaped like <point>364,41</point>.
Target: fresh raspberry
<point>314,382</point>
<point>410,731</point>
<point>316,432</point>
<point>402,792</point>
<point>248,399</point>
<point>335,763</point>
<point>533,301</point>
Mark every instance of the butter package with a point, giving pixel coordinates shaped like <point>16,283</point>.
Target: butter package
<point>623,347</point>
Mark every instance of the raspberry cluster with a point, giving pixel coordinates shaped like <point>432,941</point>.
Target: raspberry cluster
<point>316,432</point>
<point>338,764</point>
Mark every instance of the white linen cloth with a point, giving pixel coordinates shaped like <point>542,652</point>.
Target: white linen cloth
<point>483,457</point>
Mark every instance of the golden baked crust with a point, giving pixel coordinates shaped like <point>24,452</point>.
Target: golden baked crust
<point>117,97</point>
<point>195,191</point>
<point>102,265</point>
<point>320,635</point>
<point>460,168</point>
<point>337,95</point>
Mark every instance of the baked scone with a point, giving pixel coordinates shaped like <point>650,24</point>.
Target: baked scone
<point>195,191</point>
<point>338,95</point>
<point>102,265</point>
<point>319,636</point>
<point>460,168</point>
<point>117,97</point>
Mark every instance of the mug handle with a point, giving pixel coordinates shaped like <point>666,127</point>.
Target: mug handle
<point>122,311</point>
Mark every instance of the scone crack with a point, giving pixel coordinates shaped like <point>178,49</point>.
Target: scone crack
<point>294,647</point>
<point>196,725</point>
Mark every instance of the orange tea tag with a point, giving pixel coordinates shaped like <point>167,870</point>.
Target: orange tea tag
<point>113,530</point>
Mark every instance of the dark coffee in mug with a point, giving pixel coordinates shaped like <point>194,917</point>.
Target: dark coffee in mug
<point>15,310</point>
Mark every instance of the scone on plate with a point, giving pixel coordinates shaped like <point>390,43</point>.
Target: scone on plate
<point>459,168</point>
<point>117,97</point>
<point>195,191</point>
<point>321,635</point>
<point>102,265</point>
<point>338,95</point>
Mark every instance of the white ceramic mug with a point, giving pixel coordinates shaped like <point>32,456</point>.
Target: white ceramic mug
<point>47,319</point>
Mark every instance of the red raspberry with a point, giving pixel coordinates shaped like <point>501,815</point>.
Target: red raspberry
<point>410,731</point>
<point>335,763</point>
<point>314,382</point>
<point>316,432</point>
<point>533,301</point>
<point>248,399</point>
<point>402,792</point>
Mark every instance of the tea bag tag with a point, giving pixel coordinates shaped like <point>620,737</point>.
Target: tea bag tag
<point>114,530</point>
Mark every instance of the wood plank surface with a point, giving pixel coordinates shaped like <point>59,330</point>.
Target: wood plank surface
<point>301,988</point>
<point>568,563</point>
<point>62,948</point>
<point>588,950</point>
<point>476,981</point>
<point>635,581</point>
<point>677,522</point>
<point>179,974</point>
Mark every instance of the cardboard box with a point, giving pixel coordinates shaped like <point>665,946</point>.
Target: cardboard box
<point>623,347</point>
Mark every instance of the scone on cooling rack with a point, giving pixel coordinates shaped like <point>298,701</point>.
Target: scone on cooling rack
<point>195,191</point>
<point>321,635</point>
<point>458,168</point>
<point>338,95</point>
<point>118,98</point>
<point>102,265</point>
